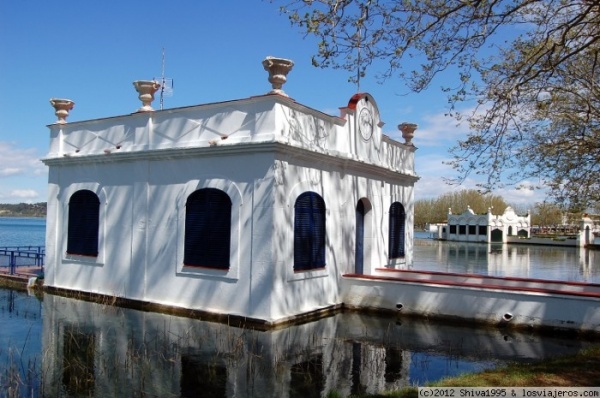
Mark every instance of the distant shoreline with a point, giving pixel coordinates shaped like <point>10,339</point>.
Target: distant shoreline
<point>3,215</point>
<point>37,210</point>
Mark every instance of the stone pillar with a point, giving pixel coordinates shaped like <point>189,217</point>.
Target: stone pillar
<point>586,230</point>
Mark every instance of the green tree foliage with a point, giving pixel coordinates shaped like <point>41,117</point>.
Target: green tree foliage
<point>530,67</point>
<point>547,214</point>
<point>436,210</point>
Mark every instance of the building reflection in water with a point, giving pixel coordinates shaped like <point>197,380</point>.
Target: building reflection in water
<point>91,349</point>
<point>514,260</point>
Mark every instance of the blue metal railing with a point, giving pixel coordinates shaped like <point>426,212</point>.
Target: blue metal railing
<point>22,256</point>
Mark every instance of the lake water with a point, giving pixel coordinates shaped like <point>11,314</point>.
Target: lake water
<point>61,347</point>
<point>528,261</point>
<point>22,231</point>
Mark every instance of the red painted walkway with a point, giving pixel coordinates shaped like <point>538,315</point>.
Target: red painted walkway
<point>528,285</point>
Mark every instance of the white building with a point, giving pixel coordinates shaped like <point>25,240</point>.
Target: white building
<point>471,227</point>
<point>253,207</point>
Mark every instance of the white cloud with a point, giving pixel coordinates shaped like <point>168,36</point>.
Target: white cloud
<point>23,177</point>
<point>20,196</point>
<point>433,172</point>
<point>437,134</point>
<point>10,171</point>
<point>17,161</point>
<point>525,195</point>
<point>439,130</point>
<point>24,194</point>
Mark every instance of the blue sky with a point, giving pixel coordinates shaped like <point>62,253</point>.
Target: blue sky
<point>91,52</point>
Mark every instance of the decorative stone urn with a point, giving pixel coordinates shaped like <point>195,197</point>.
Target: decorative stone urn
<point>408,132</point>
<point>62,108</point>
<point>278,69</point>
<point>146,89</point>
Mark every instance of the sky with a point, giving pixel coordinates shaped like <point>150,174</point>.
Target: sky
<point>91,52</point>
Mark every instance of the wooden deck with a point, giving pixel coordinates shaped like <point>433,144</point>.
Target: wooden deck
<point>22,272</point>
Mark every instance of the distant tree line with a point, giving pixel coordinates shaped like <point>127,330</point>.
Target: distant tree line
<point>23,209</point>
<point>431,211</point>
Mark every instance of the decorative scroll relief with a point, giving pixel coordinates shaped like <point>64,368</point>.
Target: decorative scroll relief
<point>393,158</point>
<point>279,169</point>
<point>306,129</point>
<point>314,176</point>
<point>397,158</point>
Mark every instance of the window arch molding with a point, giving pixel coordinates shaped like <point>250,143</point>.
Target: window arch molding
<point>235,195</point>
<point>301,187</point>
<point>208,229</point>
<point>310,233</point>
<point>397,231</point>
<point>366,222</point>
<point>63,199</point>
<point>288,237</point>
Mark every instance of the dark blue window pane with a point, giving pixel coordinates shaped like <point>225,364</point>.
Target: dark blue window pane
<point>309,232</point>
<point>397,230</point>
<point>208,229</point>
<point>83,224</point>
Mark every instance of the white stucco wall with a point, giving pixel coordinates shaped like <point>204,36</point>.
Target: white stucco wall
<point>481,303</point>
<point>263,152</point>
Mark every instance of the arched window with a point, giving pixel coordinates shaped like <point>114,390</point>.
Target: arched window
<point>359,245</point>
<point>397,230</point>
<point>83,224</point>
<point>496,235</point>
<point>207,229</point>
<point>309,232</point>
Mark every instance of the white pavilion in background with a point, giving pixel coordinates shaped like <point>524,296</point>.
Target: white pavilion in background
<point>471,227</point>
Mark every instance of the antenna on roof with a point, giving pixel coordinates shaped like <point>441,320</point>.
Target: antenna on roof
<point>361,24</point>
<point>166,83</point>
<point>358,59</point>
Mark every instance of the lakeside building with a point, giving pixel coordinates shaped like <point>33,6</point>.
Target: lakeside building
<point>252,208</point>
<point>489,228</point>
<point>508,227</point>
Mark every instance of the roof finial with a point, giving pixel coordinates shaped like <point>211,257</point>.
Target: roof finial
<point>146,89</point>
<point>278,69</point>
<point>62,108</point>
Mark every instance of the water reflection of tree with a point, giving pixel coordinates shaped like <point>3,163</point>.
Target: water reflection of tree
<point>78,361</point>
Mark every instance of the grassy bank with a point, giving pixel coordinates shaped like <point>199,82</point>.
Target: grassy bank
<point>580,370</point>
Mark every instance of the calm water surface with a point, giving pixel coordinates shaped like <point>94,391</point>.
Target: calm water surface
<point>529,261</point>
<point>60,347</point>
<point>22,231</point>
